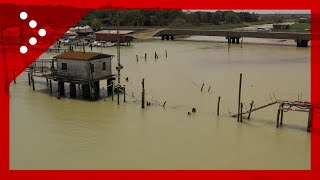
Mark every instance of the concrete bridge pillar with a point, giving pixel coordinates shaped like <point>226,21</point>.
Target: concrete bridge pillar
<point>162,37</point>
<point>167,37</point>
<point>302,43</point>
<point>233,40</point>
<point>172,37</point>
<point>61,88</point>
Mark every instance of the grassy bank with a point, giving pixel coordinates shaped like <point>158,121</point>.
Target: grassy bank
<point>299,26</point>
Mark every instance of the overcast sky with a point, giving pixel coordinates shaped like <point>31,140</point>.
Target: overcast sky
<point>271,11</point>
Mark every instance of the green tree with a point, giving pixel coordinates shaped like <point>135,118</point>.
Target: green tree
<point>232,17</point>
<point>96,24</point>
<point>178,22</point>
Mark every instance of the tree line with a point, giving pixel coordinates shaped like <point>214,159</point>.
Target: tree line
<point>173,18</point>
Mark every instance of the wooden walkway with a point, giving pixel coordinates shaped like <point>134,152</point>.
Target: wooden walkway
<point>255,109</point>
<point>284,106</point>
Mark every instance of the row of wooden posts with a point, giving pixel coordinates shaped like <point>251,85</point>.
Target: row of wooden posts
<point>155,55</point>
<point>240,104</point>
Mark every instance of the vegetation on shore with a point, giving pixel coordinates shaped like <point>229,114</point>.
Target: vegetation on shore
<point>183,19</point>
<point>300,26</point>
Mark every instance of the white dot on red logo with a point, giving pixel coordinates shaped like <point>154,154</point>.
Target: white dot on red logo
<point>33,24</point>
<point>23,49</point>
<point>32,41</point>
<point>23,15</point>
<point>42,32</point>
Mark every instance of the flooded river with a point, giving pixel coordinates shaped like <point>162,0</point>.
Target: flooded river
<point>48,133</point>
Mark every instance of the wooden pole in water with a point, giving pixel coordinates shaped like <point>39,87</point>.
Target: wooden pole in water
<point>142,103</point>
<point>278,114</point>
<point>155,55</point>
<point>309,119</point>
<point>218,106</point>
<point>118,93</point>
<point>137,57</point>
<point>166,54</point>
<point>112,90</point>
<point>124,93</point>
<point>241,41</point>
<point>14,78</point>
<point>145,56</point>
<point>164,103</point>
<point>29,80</point>
<point>50,84</point>
<point>209,88</point>
<point>281,115</point>
<point>42,65</point>
<point>202,86</point>
<point>251,104</point>
<point>241,112</point>
<point>239,98</point>
<point>32,78</point>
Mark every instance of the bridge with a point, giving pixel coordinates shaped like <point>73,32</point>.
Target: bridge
<point>233,36</point>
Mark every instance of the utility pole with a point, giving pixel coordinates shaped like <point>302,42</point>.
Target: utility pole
<point>119,67</point>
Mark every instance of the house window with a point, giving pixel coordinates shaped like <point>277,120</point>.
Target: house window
<point>92,68</point>
<point>64,66</point>
<point>104,66</point>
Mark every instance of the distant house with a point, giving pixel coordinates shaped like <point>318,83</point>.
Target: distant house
<point>83,65</point>
<point>82,30</point>
<point>111,36</point>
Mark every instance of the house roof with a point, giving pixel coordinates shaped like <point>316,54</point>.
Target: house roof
<point>82,56</point>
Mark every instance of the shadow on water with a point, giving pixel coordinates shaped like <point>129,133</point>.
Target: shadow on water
<point>273,123</point>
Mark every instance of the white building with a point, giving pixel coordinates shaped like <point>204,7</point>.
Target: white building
<point>75,65</point>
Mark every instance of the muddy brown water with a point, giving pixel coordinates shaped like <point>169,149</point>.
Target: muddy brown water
<point>47,133</point>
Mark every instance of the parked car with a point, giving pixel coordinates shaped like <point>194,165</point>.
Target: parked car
<point>102,44</point>
<point>64,41</point>
<point>263,29</point>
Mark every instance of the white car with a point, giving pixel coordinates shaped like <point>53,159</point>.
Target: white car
<point>102,44</point>
<point>262,29</point>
